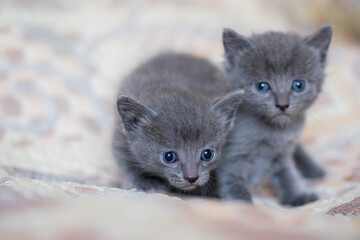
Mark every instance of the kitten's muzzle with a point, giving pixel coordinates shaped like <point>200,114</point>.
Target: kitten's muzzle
<point>282,107</point>
<point>192,179</point>
<point>282,101</point>
<point>190,172</point>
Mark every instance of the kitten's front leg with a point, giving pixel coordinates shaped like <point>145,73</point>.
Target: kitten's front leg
<point>306,165</point>
<point>283,175</point>
<point>149,184</point>
<point>232,180</point>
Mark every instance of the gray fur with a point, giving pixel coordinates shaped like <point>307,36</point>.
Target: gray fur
<point>268,125</point>
<point>173,102</point>
<point>306,165</point>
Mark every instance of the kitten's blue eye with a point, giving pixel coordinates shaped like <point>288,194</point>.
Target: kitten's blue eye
<point>262,87</point>
<point>298,85</point>
<point>207,155</point>
<point>170,157</point>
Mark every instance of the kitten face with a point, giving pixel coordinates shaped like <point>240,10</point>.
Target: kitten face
<point>281,74</point>
<point>180,141</point>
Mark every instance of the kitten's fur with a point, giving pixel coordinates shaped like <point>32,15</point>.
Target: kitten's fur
<point>173,102</point>
<point>264,137</point>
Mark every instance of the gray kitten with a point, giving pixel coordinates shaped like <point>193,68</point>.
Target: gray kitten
<point>281,74</point>
<point>174,119</point>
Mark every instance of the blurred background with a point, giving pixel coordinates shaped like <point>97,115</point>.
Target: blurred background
<point>61,62</point>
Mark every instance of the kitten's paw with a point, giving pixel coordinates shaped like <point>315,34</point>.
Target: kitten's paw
<point>301,199</point>
<point>315,172</point>
<point>238,195</point>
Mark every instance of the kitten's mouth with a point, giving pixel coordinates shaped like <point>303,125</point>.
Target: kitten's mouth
<point>281,119</point>
<point>281,114</point>
<point>188,188</point>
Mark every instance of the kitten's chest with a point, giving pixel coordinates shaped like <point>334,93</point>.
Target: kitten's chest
<point>253,136</point>
<point>281,140</point>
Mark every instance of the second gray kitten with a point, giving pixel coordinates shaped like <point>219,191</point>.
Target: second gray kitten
<point>173,123</point>
<point>282,75</point>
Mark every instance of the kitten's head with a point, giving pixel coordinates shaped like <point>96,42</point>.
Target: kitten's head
<point>181,140</point>
<point>281,73</point>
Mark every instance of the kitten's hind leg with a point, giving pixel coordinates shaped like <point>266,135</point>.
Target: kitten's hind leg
<point>306,165</point>
<point>283,175</point>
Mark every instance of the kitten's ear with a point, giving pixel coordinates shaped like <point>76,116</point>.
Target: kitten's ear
<point>133,114</point>
<point>227,105</point>
<point>234,44</point>
<point>321,41</point>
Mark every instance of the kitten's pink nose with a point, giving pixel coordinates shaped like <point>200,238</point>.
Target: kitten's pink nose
<point>282,107</point>
<point>192,179</point>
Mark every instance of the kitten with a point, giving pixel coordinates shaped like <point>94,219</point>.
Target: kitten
<point>281,74</point>
<point>174,119</point>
